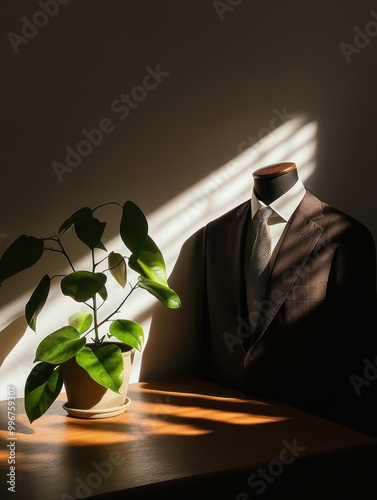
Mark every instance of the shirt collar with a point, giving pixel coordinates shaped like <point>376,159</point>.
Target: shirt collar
<point>283,206</point>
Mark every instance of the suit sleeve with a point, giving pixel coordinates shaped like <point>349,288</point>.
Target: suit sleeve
<point>175,342</point>
<point>353,289</point>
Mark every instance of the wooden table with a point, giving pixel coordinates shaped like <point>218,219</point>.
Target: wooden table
<point>186,440</point>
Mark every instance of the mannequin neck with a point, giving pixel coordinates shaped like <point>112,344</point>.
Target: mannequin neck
<point>270,186</point>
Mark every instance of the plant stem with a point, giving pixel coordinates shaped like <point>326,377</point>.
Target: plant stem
<point>108,203</point>
<point>97,323</point>
<point>120,305</point>
<point>95,319</point>
<point>62,250</point>
<point>66,255</point>
<point>95,309</point>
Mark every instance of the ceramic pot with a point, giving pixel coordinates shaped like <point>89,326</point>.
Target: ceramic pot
<point>88,399</point>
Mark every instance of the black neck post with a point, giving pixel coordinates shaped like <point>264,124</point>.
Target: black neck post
<point>273,181</point>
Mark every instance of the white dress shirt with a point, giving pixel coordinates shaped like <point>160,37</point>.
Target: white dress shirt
<point>283,209</point>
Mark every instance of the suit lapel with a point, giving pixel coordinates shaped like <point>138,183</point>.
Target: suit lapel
<point>299,238</point>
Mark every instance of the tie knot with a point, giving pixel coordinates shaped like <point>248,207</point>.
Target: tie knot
<point>264,213</point>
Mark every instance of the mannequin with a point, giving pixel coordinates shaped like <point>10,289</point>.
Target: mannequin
<point>309,346</point>
<point>274,180</point>
<point>270,183</point>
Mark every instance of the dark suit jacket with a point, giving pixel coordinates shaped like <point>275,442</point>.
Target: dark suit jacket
<point>317,328</point>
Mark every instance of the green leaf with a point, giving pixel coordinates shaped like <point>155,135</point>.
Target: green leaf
<point>162,292</point>
<point>102,292</point>
<point>88,229</point>
<point>149,262</point>
<point>101,246</point>
<point>133,227</point>
<point>82,285</point>
<point>104,364</point>
<point>60,346</point>
<point>81,321</point>
<point>24,252</point>
<point>128,332</point>
<point>42,387</point>
<point>90,232</point>
<point>118,268</point>
<point>37,301</point>
<point>79,216</point>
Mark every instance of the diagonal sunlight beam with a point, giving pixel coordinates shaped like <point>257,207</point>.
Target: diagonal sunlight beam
<point>171,225</point>
<point>232,183</point>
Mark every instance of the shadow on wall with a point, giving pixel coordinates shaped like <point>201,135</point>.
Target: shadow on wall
<point>171,224</point>
<point>10,335</point>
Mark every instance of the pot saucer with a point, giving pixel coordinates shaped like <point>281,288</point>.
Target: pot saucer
<point>96,412</point>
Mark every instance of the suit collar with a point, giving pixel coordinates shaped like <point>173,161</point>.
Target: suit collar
<point>301,234</point>
<point>311,206</point>
<point>299,238</point>
<point>283,206</point>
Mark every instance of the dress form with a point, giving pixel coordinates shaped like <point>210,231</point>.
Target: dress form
<point>272,181</point>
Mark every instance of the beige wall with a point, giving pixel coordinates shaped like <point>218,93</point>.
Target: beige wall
<point>226,69</point>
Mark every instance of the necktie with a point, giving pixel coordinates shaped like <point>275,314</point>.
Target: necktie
<point>258,270</point>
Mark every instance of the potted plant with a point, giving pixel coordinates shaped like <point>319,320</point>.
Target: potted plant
<point>94,346</point>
